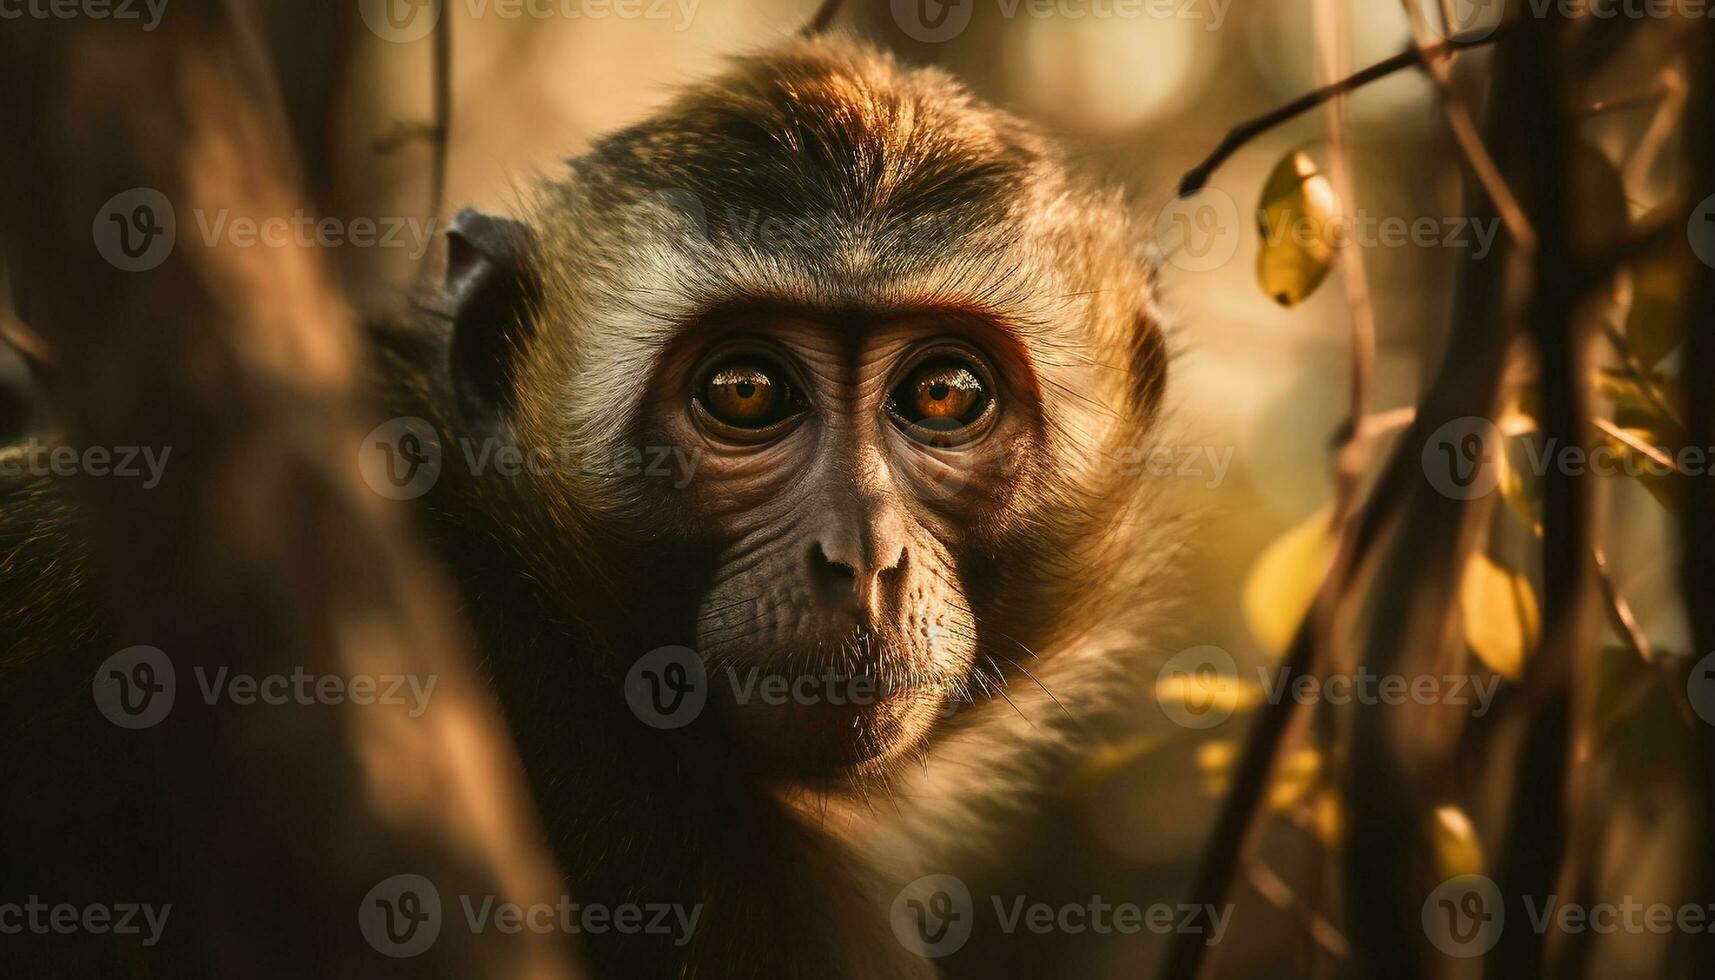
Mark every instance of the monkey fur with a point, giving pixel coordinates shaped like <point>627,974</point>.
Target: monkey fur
<point>824,188</point>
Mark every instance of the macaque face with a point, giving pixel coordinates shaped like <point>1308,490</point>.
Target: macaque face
<point>847,466</point>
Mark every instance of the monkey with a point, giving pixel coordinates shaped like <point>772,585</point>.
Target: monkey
<point>895,342</point>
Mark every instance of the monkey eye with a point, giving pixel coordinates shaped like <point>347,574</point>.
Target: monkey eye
<point>748,397</point>
<point>940,398</point>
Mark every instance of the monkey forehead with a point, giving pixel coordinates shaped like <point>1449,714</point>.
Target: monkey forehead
<point>825,174</point>
<point>827,130</point>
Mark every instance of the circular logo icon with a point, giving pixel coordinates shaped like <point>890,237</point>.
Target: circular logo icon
<point>1701,230</point>
<point>933,21</point>
<point>1463,916</point>
<point>400,21</point>
<point>135,687</point>
<point>401,916</point>
<point>401,459</point>
<point>1195,687</point>
<point>1469,20</point>
<point>135,230</point>
<point>1700,688</point>
<point>1199,233</point>
<point>667,687</point>
<point>933,915</point>
<point>1462,458</point>
<point>670,213</point>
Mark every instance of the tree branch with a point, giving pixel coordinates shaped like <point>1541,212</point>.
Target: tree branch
<point>1239,135</point>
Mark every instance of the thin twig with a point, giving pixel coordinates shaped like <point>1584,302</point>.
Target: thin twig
<point>1351,459</point>
<point>1243,133</point>
<point>1635,444</point>
<point>1662,125</point>
<point>1226,842</point>
<point>823,19</point>
<point>1464,129</point>
<point>1279,893</point>
<point>1621,611</point>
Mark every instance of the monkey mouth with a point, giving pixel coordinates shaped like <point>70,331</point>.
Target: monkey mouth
<point>819,716</point>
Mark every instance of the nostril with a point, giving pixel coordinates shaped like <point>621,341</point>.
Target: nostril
<point>893,570</point>
<point>829,571</point>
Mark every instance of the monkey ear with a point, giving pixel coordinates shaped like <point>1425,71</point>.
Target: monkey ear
<point>493,293</point>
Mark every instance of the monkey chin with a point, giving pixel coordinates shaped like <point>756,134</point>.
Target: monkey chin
<point>819,726</point>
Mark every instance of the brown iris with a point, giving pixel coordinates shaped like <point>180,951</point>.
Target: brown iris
<point>747,395</point>
<point>941,396</point>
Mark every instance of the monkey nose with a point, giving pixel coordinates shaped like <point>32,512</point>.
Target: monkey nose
<point>848,580</point>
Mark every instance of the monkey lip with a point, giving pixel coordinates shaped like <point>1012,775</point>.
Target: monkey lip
<point>820,724</point>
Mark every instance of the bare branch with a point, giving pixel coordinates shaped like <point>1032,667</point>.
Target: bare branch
<point>1625,623</point>
<point>246,362</point>
<point>1464,129</point>
<point>1239,135</point>
<point>822,19</point>
<point>1534,846</point>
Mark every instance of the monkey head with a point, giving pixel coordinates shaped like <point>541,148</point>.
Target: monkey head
<point>887,352</point>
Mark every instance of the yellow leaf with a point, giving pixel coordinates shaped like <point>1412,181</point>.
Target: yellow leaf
<point>1655,324</point>
<point>1455,844</point>
<point>1502,622</point>
<point>1215,760</point>
<point>1519,493</point>
<point>1330,817</point>
<point>1299,219</point>
<point>1638,407</point>
<point>1283,582</point>
<point>1296,778</point>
